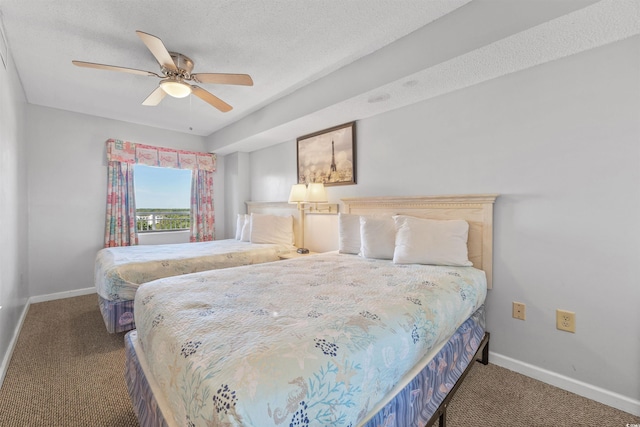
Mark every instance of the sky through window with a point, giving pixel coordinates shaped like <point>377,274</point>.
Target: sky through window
<point>162,188</point>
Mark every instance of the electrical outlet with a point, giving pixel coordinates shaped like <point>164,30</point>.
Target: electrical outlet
<point>566,320</point>
<point>519,310</point>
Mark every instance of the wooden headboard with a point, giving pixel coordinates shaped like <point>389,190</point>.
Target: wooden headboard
<point>281,209</point>
<point>476,209</point>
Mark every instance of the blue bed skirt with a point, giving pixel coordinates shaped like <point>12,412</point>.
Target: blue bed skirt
<point>416,403</point>
<point>117,315</point>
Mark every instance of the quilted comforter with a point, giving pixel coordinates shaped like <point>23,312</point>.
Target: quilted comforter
<point>120,271</point>
<point>313,341</point>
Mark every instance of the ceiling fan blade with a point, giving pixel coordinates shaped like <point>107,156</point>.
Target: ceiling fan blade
<point>223,79</point>
<point>211,99</point>
<point>113,68</point>
<point>159,51</point>
<point>155,97</point>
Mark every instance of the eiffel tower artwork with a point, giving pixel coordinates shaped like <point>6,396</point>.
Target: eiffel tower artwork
<point>314,163</point>
<point>333,159</point>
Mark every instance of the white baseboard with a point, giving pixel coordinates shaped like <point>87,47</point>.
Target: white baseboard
<point>589,391</point>
<point>61,295</point>
<point>12,344</point>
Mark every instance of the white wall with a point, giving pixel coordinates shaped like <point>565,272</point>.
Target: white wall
<point>67,191</point>
<point>561,144</point>
<point>273,171</point>
<point>237,189</point>
<point>13,210</point>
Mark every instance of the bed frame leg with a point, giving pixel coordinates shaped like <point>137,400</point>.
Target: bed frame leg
<point>485,351</point>
<point>442,420</point>
<point>441,413</point>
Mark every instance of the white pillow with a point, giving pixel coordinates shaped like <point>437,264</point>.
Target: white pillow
<point>272,229</point>
<point>239,225</point>
<point>349,233</point>
<point>430,241</point>
<point>378,235</point>
<point>245,235</point>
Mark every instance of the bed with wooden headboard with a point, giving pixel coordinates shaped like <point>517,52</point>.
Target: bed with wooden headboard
<point>328,339</point>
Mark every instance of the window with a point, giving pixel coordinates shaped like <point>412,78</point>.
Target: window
<point>163,198</point>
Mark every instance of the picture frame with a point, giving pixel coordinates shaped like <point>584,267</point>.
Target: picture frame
<point>328,156</point>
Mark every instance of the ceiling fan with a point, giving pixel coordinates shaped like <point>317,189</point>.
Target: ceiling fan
<point>176,74</point>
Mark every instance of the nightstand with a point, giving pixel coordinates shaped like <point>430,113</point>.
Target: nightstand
<point>292,255</point>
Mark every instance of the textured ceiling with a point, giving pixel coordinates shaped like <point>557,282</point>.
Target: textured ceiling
<point>314,63</point>
<point>283,45</point>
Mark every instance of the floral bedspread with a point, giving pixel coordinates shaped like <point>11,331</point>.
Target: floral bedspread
<point>120,271</point>
<point>313,341</point>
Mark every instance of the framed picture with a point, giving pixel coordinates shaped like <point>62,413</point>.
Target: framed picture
<point>328,156</point>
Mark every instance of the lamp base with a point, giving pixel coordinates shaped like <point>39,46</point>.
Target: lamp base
<point>303,251</point>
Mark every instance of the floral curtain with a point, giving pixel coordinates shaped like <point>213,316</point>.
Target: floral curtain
<point>202,219</point>
<point>120,229</point>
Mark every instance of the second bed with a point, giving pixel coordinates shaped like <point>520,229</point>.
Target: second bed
<point>119,271</point>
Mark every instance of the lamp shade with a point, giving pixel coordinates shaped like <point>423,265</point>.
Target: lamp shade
<point>175,88</point>
<point>316,193</point>
<point>297,194</point>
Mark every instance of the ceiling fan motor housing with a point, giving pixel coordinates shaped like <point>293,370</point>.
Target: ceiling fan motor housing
<point>184,64</point>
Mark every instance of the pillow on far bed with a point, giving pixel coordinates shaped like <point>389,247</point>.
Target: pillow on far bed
<point>378,235</point>
<point>429,241</point>
<point>272,229</point>
<point>349,233</point>
<point>245,235</point>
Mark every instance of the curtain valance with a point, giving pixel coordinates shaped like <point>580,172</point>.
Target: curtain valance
<point>129,152</point>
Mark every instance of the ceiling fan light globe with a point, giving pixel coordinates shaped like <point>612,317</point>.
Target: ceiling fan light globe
<point>175,88</point>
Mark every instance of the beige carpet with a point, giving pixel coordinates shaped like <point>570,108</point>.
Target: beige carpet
<point>68,371</point>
